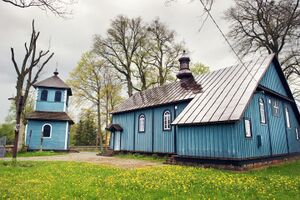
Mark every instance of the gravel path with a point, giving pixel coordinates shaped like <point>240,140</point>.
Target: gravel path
<point>91,157</point>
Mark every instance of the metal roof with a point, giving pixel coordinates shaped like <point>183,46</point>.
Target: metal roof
<point>227,95</point>
<point>56,116</point>
<point>224,97</point>
<point>165,94</point>
<point>54,82</point>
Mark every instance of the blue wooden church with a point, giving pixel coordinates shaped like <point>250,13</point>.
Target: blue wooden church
<point>243,112</point>
<point>48,127</point>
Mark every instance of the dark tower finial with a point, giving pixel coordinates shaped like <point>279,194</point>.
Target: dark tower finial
<point>185,75</point>
<point>56,72</point>
<point>184,69</point>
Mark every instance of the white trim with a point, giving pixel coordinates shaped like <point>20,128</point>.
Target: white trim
<point>36,97</point>
<point>50,130</point>
<point>65,101</point>
<point>26,127</point>
<point>66,137</point>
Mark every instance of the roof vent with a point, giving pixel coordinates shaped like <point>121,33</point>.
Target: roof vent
<point>185,75</point>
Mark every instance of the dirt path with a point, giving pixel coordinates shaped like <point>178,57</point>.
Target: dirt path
<point>91,157</point>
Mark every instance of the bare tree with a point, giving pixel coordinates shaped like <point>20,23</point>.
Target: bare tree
<point>164,51</point>
<point>268,25</point>
<point>118,48</point>
<point>57,7</point>
<point>28,73</point>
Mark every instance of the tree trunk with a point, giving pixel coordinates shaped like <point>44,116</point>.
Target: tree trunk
<point>129,86</point>
<point>99,134</point>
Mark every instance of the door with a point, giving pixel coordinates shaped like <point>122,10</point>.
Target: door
<point>117,141</point>
<point>276,120</point>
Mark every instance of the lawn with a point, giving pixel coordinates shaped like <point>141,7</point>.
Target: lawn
<point>68,180</point>
<point>36,153</point>
<point>153,157</point>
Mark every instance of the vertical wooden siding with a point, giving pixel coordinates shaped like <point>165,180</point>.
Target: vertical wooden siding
<point>154,139</point>
<point>126,121</point>
<point>272,81</point>
<point>294,144</point>
<point>57,140</point>
<point>50,104</point>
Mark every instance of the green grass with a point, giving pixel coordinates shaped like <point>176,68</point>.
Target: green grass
<point>36,153</point>
<point>69,180</point>
<point>153,157</point>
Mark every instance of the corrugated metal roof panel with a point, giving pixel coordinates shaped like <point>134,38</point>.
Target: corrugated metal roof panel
<point>225,95</point>
<point>226,98</point>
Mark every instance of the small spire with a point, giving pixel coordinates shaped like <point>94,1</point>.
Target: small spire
<point>56,72</point>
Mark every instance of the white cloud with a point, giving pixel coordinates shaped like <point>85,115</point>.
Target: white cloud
<point>70,38</point>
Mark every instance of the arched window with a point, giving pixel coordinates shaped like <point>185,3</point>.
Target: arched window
<point>262,112</point>
<point>57,97</point>
<point>46,130</point>
<point>44,95</point>
<point>167,120</point>
<point>142,121</point>
<point>276,108</point>
<point>287,118</point>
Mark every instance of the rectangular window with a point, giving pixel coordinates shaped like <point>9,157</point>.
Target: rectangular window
<point>297,134</point>
<point>248,130</point>
<point>287,118</point>
<point>276,108</point>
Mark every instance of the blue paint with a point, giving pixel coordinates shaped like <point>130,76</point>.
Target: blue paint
<point>50,104</point>
<point>272,81</point>
<point>60,133</point>
<point>154,138</point>
<point>57,140</point>
<point>225,140</point>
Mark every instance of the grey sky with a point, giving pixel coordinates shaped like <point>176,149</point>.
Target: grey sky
<point>70,38</point>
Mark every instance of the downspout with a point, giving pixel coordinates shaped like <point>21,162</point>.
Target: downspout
<point>152,129</point>
<point>134,131</point>
<point>175,131</point>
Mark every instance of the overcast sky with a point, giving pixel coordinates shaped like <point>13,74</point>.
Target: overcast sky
<point>70,38</point>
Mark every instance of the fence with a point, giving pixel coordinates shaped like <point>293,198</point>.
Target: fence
<point>2,147</point>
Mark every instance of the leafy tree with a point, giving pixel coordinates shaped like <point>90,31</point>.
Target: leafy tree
<point>164,50</point>
<point>110,95</point>
<point>268,26</point>
<point>86,129</point>
<point>199,68</point>
<point>7,130</point>
<point>119,46</point>
<point>86,82</point>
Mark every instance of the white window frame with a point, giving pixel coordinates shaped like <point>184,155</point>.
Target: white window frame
<point>42,94</point>
<point>262,111</point>
<point>276,108</point>
<point>167,120</point>
<point>50,130</point>
<point>142,123</point>
<point>287,117</point>
<point>248,128</point>
<point>297,134</point>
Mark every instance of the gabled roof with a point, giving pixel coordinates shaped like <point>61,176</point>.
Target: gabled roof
<point>165,94</point>
<point>224,97</point>
<point>54,82</point>
<point>55,116</point>
<point>114,128</point>
<point>227,97</point>
<point>220,84</point>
